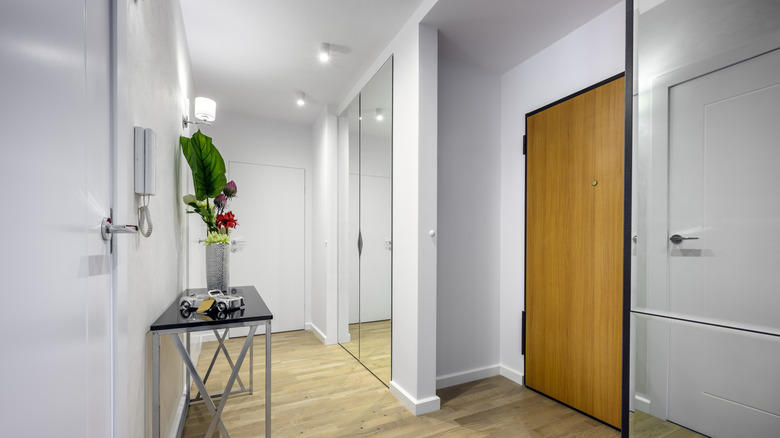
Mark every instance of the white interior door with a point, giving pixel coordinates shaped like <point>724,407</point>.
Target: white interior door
<point>56,172</point>
<point>375,259</point>
<point>269,208</point>
<point>724,152</point>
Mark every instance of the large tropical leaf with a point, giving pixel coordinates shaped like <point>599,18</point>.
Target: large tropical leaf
<point>208,167</point>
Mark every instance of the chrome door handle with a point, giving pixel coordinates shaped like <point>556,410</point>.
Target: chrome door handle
<point>107,229</point>
<point>360,243</point>
<point>678,238</point>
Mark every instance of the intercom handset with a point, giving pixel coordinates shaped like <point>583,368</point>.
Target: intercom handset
<point>145,146</point>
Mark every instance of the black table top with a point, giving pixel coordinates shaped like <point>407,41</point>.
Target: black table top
<point>175,318</point>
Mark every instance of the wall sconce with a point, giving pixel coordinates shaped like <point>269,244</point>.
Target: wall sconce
<point>205,111</point>
<point>301,98</point>
<point>324,52</point>
<point>380,114</point>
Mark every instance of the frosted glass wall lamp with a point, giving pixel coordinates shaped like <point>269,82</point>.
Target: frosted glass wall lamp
<point>205,112</point>
<point>300,99</point>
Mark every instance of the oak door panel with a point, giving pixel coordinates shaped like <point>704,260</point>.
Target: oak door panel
<point>574,225</point>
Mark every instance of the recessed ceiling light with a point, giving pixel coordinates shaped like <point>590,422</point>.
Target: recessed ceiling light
<point>324,52</point>
<point>301,100</point>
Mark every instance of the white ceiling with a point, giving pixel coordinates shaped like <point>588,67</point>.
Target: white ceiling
<point>252,56</point>
<point>500,34</point>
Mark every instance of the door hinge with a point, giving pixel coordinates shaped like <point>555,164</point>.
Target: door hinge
<point>522,334</point>
<point>525,144</point>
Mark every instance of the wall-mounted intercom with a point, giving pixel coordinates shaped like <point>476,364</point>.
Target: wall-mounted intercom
<point>145,146</point>
<point>144,161</point>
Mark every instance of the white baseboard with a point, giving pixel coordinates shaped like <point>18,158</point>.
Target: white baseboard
<point>417,407</point>
<point>318,333</point>
<point>466,376</point>
<point>513,375</point>
<point>641,402</point>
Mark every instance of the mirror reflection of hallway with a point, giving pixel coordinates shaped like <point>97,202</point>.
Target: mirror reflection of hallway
<point>365,225</point>
<point>705,330</point>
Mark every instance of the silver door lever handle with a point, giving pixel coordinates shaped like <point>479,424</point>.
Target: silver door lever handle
<point>107,229</point>
<point>678,238</point>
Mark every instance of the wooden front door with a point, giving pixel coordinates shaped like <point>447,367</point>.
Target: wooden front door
<point>574,229</point>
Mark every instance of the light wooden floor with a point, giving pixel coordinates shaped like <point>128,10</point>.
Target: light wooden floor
<point>322,391</point>
<point>642,425</point>
<point>374,347</point>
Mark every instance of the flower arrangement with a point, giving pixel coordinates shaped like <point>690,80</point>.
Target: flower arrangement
<point>209,181</point>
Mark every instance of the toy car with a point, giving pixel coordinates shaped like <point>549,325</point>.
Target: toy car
<point>225,303</point>
<point>222,302</point>
<point>192,302</point>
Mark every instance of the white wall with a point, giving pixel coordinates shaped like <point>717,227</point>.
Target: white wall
<point>324,256</point>
<point>260,141</point>
<point>414,209</point>
<point>594,52</point>
<point>469,218</point>
<point>155,80</point>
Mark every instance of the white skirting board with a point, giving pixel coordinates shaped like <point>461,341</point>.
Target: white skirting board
<point>417,407</point>
<point>317,332</point>
<point>513,375</point>
<point>466,376</point>
<point>641,402</point>
<point>477,374</point>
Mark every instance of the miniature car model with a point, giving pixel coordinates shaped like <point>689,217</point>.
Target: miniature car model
<point>192,302</point>
<point>225,303</point>
<point>222,302</point>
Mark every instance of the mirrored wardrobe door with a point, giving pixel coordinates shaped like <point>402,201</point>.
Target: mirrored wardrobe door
<point>349,257</point>
<point>365,224</point>
<point>705,325</point>
<point>376,222</point>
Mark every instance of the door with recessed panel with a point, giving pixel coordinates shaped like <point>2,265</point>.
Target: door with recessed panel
<point>574,229</point>
<point>722,249</point>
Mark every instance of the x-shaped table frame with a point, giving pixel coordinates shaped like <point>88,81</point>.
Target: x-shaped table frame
<point>192,372</point>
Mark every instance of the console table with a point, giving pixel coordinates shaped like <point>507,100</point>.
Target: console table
<point>175,321</point>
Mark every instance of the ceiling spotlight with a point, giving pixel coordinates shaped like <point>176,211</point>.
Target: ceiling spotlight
<point>324,52</point>
<point>380,114</point>
<point>301,100</point>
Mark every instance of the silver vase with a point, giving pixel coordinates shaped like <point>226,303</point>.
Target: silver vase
<point>217,266</point>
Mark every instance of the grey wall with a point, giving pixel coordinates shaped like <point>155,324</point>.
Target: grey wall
<point>469,182</point>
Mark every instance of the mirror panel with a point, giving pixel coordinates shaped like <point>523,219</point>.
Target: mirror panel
<point>376,222</point>
<point>704,323</point>
<point>365,224</point>
<point>349,297</point>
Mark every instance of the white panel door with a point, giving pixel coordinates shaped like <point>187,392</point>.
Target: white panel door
<point>269,208</point>
<point>55,171</point>
<point>376,257</point>
<point>724,155</point>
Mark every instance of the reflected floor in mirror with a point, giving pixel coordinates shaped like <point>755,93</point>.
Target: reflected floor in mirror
<point>321,390</point>
<point>375,348</point>
<point>643,425</point>
<point>353,346</point>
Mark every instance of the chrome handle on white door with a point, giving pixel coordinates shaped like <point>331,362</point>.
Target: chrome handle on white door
<point>107,229</point>
<point>678,238</point>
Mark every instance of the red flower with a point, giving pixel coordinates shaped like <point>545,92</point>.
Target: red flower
<point>226,220</point>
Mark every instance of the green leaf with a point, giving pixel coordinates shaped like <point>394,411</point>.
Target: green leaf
<point>208,167</point>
